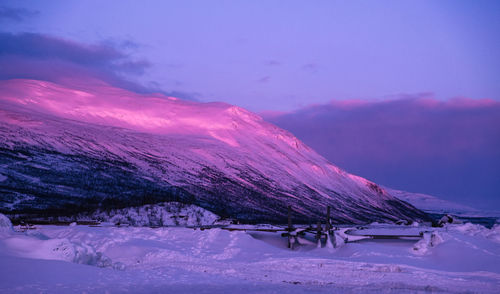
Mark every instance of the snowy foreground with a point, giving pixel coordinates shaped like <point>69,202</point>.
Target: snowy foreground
<point>83,259</point>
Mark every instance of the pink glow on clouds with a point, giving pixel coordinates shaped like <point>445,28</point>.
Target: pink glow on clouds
<point>348,104</point>
<point>425,100</point>
<point>472,103</point>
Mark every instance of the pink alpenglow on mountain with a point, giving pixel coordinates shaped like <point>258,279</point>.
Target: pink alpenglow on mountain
<point>66,150</point>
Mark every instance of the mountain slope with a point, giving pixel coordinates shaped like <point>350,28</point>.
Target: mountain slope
<point>70,149</point>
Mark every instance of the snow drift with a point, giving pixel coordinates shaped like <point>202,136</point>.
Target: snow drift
<point>54,259</point>
<point>64,150</point>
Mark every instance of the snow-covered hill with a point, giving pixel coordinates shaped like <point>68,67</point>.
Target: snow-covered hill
<point>151,215</point>
<point>433,204</point>
<point>64,150</point>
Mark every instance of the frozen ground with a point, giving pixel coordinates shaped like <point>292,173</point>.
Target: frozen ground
<point>83,259</point>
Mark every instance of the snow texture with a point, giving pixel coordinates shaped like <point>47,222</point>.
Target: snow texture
<point>76,259</point>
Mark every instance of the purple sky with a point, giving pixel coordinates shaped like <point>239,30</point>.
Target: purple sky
<point>297,57</point>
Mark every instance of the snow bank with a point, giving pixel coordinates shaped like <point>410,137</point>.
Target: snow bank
<point>55,249</point>
<point>454,232</point>
<point>35,245</point>
<point>5,225</point>
<point>430,240</point>
<point>494,233</point>
<point>155,215</point>
<point>477,230</point>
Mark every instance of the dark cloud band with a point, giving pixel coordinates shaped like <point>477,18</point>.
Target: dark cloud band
<point>446,148</point>
<point>43,57</point>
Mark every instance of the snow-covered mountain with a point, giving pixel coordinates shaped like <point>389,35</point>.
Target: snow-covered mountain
<point>64,150</point>
<point>433,204</point>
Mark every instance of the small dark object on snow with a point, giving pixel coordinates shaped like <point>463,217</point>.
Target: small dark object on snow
<point>448,219</point>
<point>402,222</point>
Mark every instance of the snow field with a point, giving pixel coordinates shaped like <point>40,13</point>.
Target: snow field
<point>461,258</point>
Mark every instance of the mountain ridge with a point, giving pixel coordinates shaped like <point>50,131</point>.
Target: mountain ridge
<point>69,146</point>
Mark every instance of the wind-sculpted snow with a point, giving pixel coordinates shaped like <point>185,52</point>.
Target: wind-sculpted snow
<point>67,150</point>
<point>56,259</point>
<point>39,246</point>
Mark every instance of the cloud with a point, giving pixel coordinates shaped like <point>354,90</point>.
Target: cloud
<point>16,14</point>
<point>310,67</point>
<point>416,143</point>
<point>264,80</point>
<point>193,96</point>
<point>273,63</point>
<point>43,57</point>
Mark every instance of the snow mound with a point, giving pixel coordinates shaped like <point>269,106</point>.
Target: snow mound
<point>494,234</point>
<point>478,230</point>
<point>429,241</point>
<point>39,246</point>
<point>454,232</point>
<point>155,215</point>
<point>469,229</point>
<point>5,224</point>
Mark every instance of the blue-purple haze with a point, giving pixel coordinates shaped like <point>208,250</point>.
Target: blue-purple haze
<point>285,56</point>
